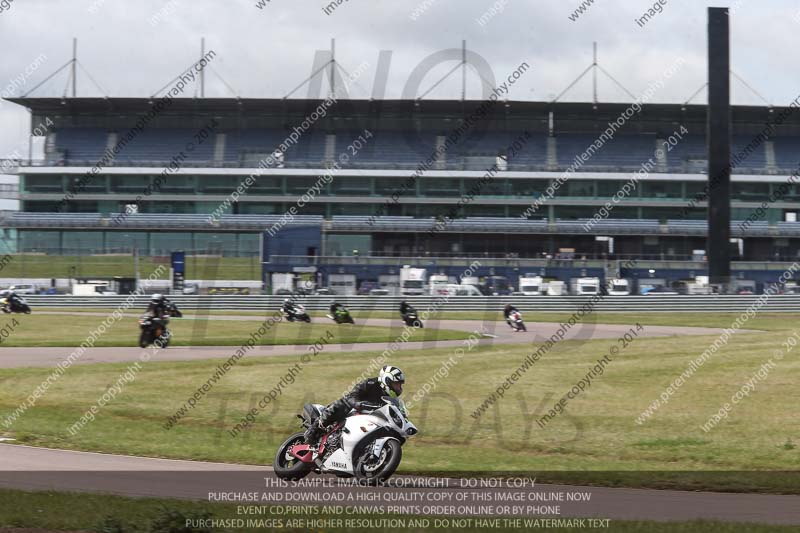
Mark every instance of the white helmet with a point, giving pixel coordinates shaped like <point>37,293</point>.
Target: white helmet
<point>156,297</point>
<point>392,379</point>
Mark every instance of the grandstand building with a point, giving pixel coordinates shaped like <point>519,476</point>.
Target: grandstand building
<point>404,178</point>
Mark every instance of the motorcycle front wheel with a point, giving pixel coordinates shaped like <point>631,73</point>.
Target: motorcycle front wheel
<point>286,466</point>
<point>373,470</point>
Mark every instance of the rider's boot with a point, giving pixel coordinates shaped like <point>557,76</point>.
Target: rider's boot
<point>313,433</point>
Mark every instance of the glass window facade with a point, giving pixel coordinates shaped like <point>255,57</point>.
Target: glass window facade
<point>152,243</point>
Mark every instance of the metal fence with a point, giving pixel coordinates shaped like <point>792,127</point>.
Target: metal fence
<point>633,304</point>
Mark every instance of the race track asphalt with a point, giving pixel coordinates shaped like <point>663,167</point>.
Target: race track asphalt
<point>499,331</point>
<point>29,468</point>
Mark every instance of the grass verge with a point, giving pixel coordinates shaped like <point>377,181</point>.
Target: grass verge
<point>41,330</point>
<point>596,435</point>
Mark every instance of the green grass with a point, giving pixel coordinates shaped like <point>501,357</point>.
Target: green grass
<point>92,512</point>
<point>42,330</point>
<point>595,440</point>
<point>64,266</point>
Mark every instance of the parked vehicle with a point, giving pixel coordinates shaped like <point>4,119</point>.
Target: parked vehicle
<point>436,281</point>
<point>661,291</point>
<point>282,283</point>
<point>390,283</point>
<point>366,287</point>
<point>532,285</point>
<point>585,286</point>
<point>23,289</point>
<point>367,445</point>
<point>412,281</point>
<point>191,288</point>
<point>343,284</point>
<point>452,289</point>
<point>555,288</point>
<point>618,287</point>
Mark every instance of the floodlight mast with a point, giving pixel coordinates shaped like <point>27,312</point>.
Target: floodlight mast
<point>719,149</point>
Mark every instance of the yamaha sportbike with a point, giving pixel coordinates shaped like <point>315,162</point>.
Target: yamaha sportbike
<point>367,445</point>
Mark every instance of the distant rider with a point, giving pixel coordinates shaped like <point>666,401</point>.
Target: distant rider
<point>8,297</point>
<point>405,308</point>
<point>335,306</point>
<point>288,306</point>
<point>507,310</point>
<point>160,306</point>
<point>389,382</point>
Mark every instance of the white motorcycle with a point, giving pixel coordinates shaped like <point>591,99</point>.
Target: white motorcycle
<point>367,445</point>
<point>515,321</point>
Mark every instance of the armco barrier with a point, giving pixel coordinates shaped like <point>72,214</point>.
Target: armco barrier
<point>633,304</point>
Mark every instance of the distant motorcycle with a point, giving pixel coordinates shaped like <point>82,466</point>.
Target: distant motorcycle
<point>297,313</point>
<point>154,328</point>
<point>15,304</point>
<point>515,321</point>
<point>411,319</point>
<point>341,316</point>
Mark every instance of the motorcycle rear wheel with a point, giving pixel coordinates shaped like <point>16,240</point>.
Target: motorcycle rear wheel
<point>387,463</point>
<point>286,467</point>
<point>144,340</point>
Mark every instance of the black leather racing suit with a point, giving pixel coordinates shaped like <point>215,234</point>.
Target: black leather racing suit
<point>405,308</point>
<point>368,391</point>
<point>158,309</point>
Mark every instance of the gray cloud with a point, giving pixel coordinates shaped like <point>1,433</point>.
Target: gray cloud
<point>133,48</point>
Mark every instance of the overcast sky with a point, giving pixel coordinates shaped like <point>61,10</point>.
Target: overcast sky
<point>134,48</point>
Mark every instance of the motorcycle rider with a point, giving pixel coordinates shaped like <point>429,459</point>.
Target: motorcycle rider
<point>405,308</point>
<point>8,297</point>
<point>288,306</point>
<point>507,310</point>
<point>389,382</point>
<point>335,306</point>
<point>160,306</point>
